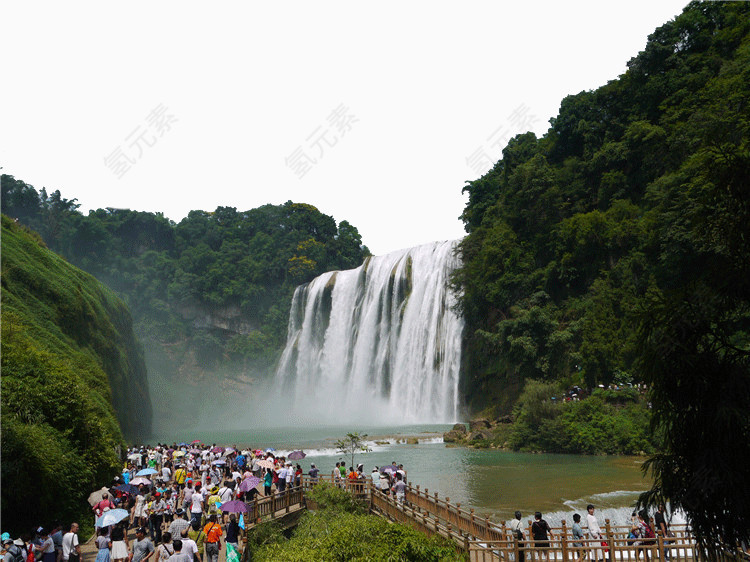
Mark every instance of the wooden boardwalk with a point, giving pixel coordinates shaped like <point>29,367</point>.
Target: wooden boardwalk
<point>484,540</point>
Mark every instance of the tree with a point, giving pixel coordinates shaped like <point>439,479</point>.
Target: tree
<point>353,443</point>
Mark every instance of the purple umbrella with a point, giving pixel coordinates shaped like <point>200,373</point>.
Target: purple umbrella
<point>389,468</point>
<point>234,506</point>
<point>296,455</point>
<point>219,461</point>
<point>249,483</point>
<point>217,450</point>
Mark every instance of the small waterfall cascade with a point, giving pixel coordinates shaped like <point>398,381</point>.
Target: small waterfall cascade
<point>380,344</point>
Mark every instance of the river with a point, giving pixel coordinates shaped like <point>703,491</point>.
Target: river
<point>495,483</point>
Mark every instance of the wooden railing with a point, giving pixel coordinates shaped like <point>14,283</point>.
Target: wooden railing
<point>275,505</point>
<point>614,545</point>
<point>482,538</point>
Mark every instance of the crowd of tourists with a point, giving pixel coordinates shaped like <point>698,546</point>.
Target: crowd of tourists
<point>43,545</point>
<point>180,500</point>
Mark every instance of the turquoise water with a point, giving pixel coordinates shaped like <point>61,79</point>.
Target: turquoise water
<point>494,483</point>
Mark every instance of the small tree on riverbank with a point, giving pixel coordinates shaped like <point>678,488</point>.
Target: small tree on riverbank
<point>353,443</point>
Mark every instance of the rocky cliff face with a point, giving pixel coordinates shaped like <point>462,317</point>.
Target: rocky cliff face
<point>228,318</point>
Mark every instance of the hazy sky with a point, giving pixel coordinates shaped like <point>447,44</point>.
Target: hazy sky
<point>377,113</point>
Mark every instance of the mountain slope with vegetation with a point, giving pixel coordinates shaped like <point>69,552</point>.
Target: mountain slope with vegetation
<point>614,249</point>
<point>73,382</point>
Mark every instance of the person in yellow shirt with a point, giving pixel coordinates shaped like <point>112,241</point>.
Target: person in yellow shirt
<point>180,475</point>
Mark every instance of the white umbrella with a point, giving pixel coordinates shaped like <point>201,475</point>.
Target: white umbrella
<point>140,480</point>
<point>96,497</point>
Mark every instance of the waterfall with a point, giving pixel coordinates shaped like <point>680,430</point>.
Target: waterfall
<point>380,344</point>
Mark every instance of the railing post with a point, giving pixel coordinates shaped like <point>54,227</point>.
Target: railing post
<point>564,540</point>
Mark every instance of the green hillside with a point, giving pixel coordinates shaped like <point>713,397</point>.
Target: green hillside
<point>614,249</point>
<point>73,382</point>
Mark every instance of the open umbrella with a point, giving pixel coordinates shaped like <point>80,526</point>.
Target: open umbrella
<point>96,497</point>
<point>270,450</point>
<point>296,455</point>
<point>228,450</point>
<point>195,451</point>
<point>128,489</point>
<point>265,463</point>
<point>111,517</point>
<point>388,468</point>
<point>182,445</point>
<point>234,506</point>
<point>249,483</point>
<point>140,480</point>
<point>178,454</point>
<point>146,472</point>
<point>134,457</point>
<point>219,461</point>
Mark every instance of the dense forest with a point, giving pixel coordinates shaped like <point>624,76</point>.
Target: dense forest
<point>614,249</point>
<point>211,294</point>
<point>73,374</point>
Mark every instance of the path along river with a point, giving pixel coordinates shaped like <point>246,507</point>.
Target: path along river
<point>495,483</point>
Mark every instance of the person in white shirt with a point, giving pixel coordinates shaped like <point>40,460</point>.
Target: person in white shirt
<point>188,544</point>
<point>595,533</point>
<point>196,505</point>
<point>70,546</point>
<point>225,494</point>
<point>281,484</point>
<point>375,475</point>
<point>289,474</point>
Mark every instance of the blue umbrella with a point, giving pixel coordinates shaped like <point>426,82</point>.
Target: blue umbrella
<point>111,517</point>
<point>145,472</point>
<point>128,489</point>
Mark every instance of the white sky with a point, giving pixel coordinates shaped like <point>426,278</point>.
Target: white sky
<point>251,84</point>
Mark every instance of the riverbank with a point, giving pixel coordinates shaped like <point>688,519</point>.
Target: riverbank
<point>612,421</point>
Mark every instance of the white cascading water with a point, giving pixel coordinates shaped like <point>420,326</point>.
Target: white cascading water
<point>380,344</point>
